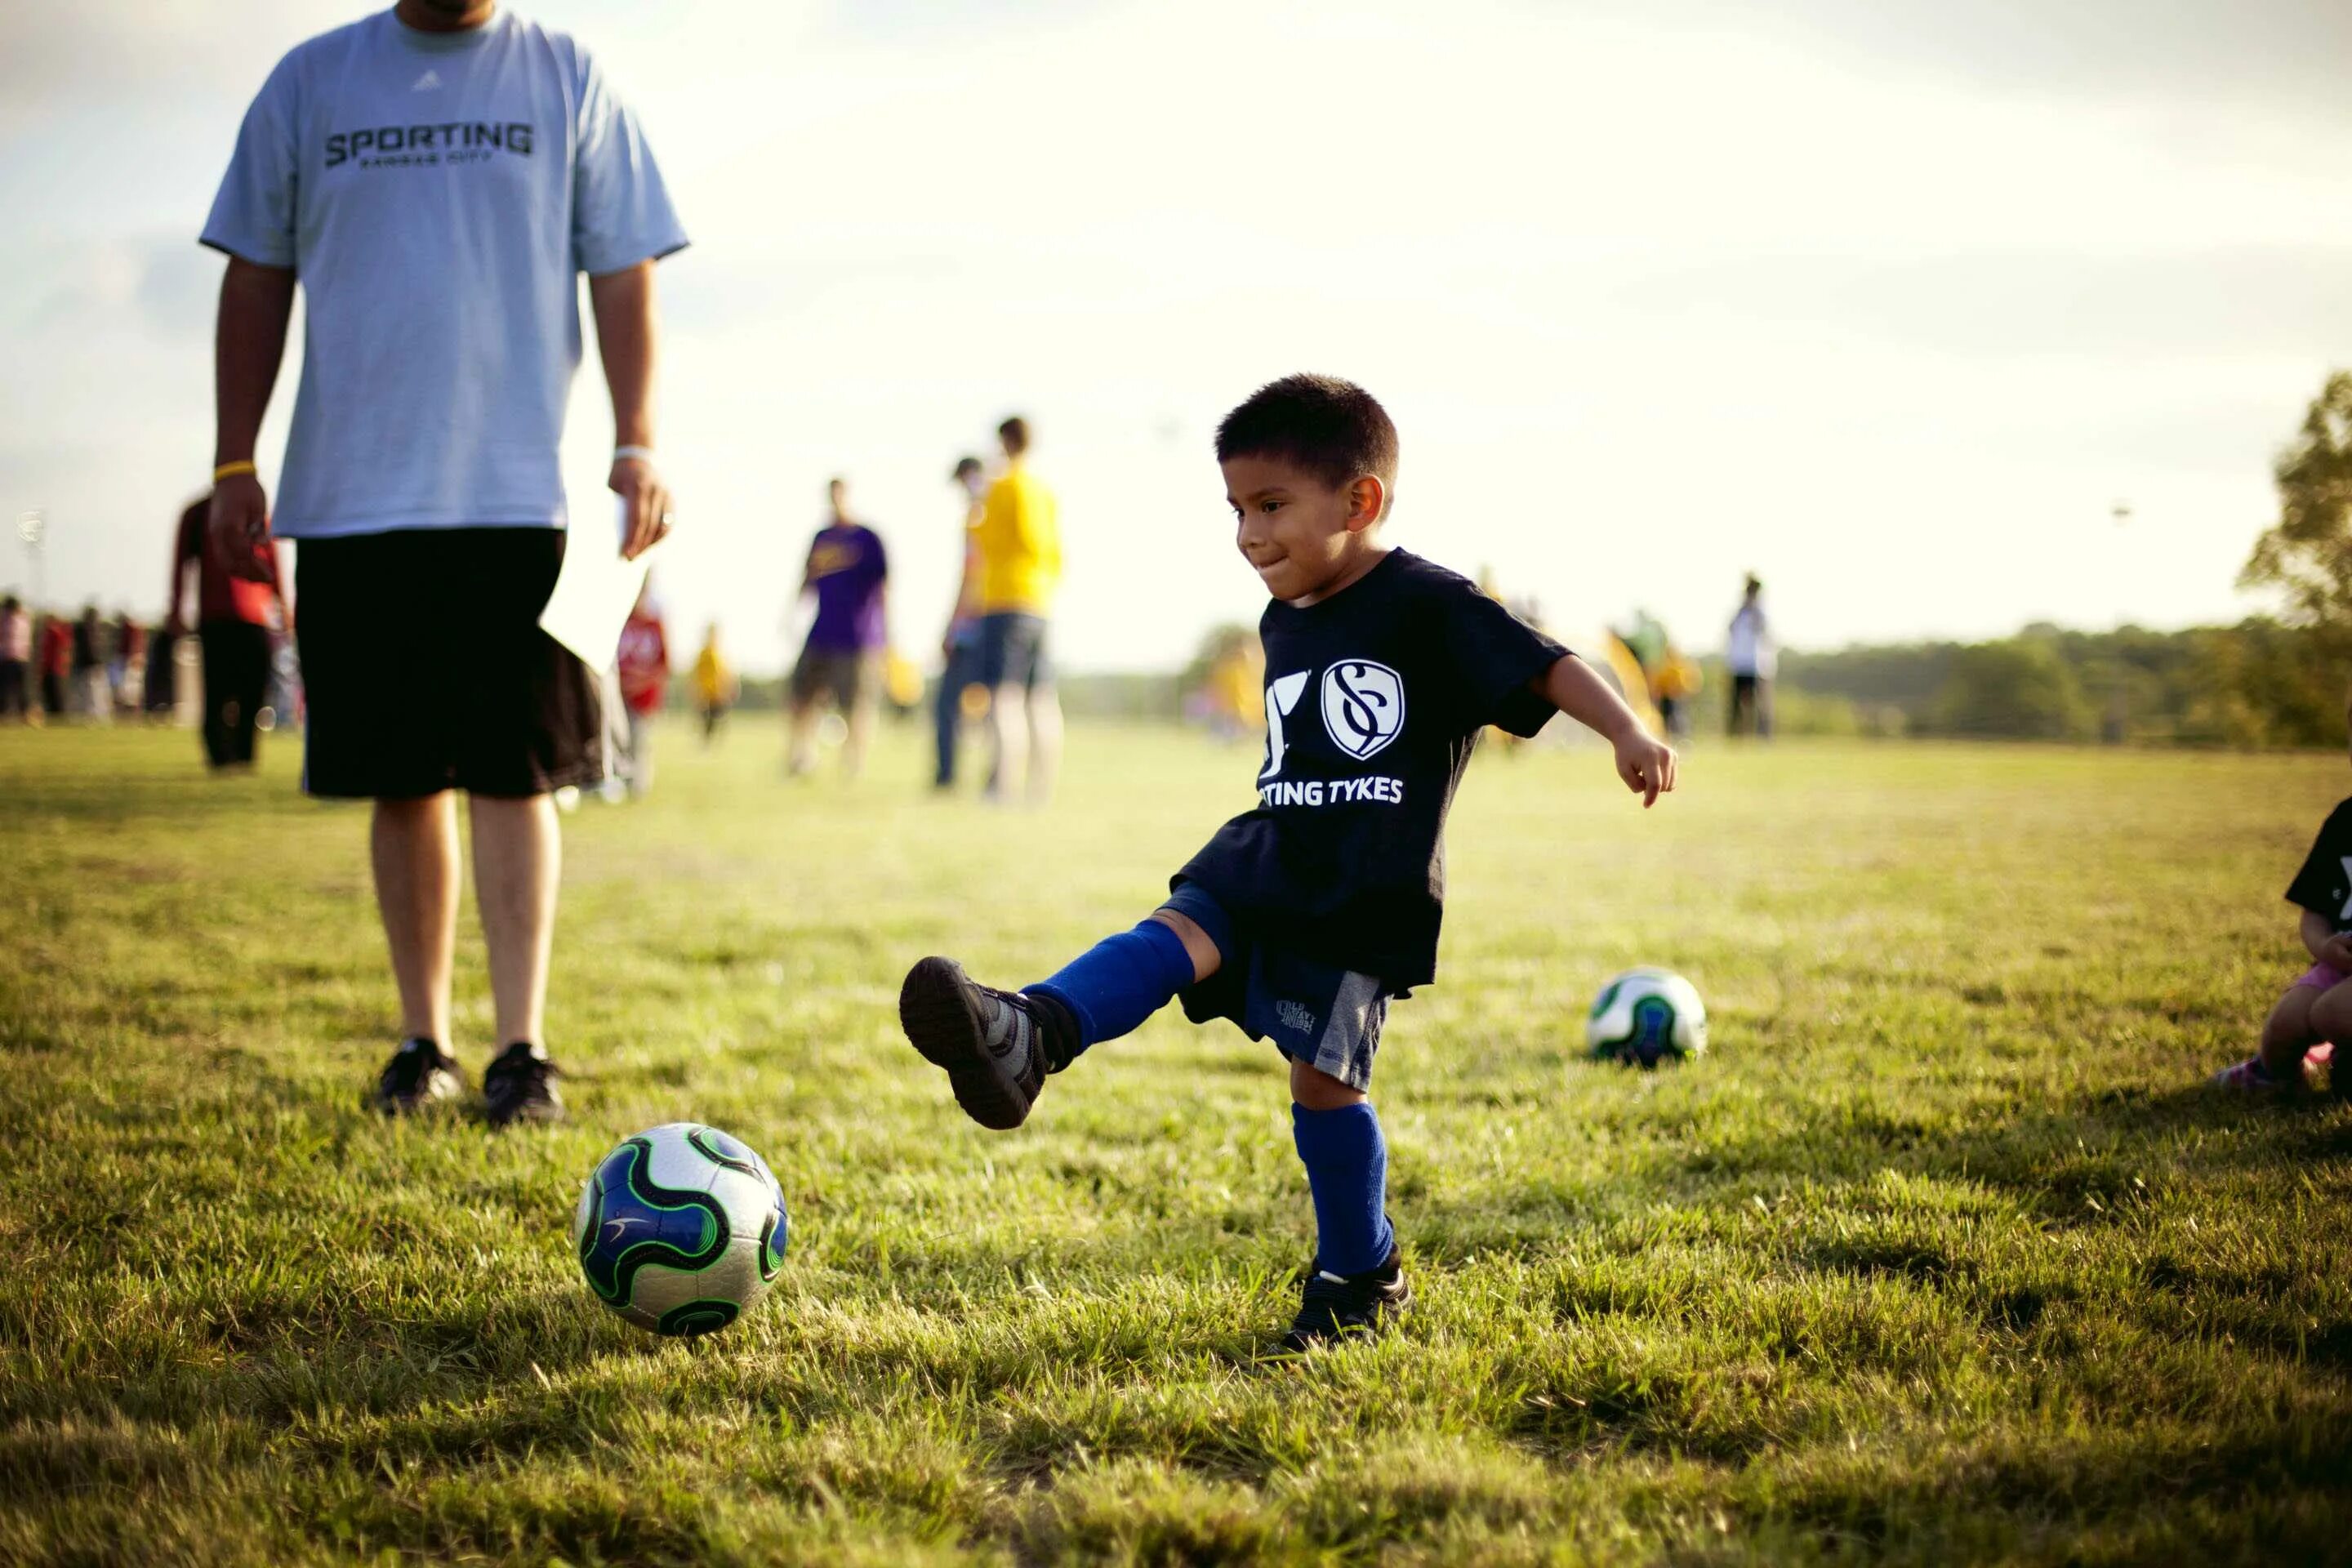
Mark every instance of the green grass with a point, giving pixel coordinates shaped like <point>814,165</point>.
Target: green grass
<point>1943,1256</point>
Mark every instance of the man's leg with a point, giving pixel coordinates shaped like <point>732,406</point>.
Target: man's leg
<point>1045,740</point>
<point>641,751</point>
<point>947,718</point>
<point>219,703</point>
<point>250,682</point>
<point>1008,731</point>
<point>414,847</point>
<point>863,694</point>
<point>518,863</point>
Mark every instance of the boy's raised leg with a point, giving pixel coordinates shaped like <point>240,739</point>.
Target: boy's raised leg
<point>998,1046</point>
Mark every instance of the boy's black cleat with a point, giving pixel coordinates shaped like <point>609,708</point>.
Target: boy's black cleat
<point>1333,1308</point>
<point>420,1074</point>
<point>996,1046</point>
<point>520,1087</point>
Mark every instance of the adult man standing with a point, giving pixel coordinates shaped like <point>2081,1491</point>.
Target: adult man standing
<point>436,176</point>
<point>233,617</point>
<point>849,574</point>
<point>1020,541</point>
<point>1752,658</point>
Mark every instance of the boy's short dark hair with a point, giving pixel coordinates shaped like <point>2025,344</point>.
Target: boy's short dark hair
<point>1015,434</point>
<point>964,466</point>
<point>1332,428</point>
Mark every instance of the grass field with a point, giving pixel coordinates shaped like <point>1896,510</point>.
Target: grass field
<point>1944,1256</point>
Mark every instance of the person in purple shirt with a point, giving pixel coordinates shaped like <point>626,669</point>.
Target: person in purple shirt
<point>847,572</point>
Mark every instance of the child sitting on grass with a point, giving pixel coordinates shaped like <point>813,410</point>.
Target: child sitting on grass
<point>2318,1008</point>
<point>1301,919</point>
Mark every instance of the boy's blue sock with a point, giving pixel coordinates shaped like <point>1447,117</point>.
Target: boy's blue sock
<point>1120,981</point>
<point>1346,1163</point>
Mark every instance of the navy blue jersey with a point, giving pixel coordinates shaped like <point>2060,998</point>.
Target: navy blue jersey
<point>1373,699</point>
<point>2323,885</point>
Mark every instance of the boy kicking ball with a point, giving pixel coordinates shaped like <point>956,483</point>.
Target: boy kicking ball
<point>1301,919</point>
<point>2318,1008</point>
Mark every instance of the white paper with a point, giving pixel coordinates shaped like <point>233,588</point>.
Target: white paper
<point>594,594</point>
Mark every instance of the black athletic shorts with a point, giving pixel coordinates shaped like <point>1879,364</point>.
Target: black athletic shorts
<point>843,676</point>
<point>425,668</point>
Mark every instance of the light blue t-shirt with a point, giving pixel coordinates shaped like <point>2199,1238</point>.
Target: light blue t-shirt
<point>438,195</point>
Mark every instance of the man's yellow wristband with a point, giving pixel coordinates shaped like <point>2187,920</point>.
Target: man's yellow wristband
<point>225,470</point>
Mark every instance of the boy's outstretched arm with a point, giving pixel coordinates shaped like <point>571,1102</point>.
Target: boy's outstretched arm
<point>1645,762</point>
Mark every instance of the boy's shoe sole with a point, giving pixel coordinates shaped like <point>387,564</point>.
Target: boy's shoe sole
<point>946,1017</point>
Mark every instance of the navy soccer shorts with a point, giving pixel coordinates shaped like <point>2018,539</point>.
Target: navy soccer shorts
<point>1329,1018</point>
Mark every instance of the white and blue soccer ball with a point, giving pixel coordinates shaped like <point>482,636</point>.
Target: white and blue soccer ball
<point>681,1229</point>
<point>1645,1016</point>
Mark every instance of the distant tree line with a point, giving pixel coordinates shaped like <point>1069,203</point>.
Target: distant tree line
<point>2263,682</point>
<point>2259,683</point>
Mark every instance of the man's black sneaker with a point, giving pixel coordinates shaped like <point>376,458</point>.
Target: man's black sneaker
<point>419,1074</point>
<point>520,1087</point>
<point>1333,1307</point>
<point>996,1046</point>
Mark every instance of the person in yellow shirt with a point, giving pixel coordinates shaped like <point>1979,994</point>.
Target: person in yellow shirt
<point>1019,541</point>
<point>714,683</point>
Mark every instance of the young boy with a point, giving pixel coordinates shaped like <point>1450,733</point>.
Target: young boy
<point>2318,1008</point>
<point>1301,919</point>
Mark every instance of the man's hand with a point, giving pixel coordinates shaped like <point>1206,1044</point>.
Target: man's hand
<point>240,527</point>
<point>1645,762</point>
<point>647,501</point>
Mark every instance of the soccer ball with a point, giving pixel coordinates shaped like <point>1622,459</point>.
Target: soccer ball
<point>680,1229</point>
<point>1645,1016</point>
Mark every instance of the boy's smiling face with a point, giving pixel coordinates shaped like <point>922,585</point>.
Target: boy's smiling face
<point>1304,538</point>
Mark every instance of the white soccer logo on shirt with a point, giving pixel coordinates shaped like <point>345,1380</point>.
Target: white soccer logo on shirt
<point>1281,697</point>
<point>1364,706</point>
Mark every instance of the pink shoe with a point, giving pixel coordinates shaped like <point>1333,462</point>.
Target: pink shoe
<point>2320,1069</point>
<point>2248,1076</point>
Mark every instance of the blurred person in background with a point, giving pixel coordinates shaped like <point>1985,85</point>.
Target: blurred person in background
<point>959,647</point>
<point>841,661</point>
<point>1752,658</point>
<point>1675,681</point>
<point>126,663</point>
<point>643,664</point>
<point>438,175</point>
<point>57,664</point>
<point>90,698</point>
<point>715,686</point>
<point>15,659</point>
<point>1020,542</point>
<point>235,615</point>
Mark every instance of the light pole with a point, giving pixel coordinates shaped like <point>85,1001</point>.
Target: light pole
<point>33,527</point>
<point>2119,717</point>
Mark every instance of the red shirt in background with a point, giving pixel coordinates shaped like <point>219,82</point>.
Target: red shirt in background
<point>643,661</point>
<point>56,647</point>
<point>219,596</point>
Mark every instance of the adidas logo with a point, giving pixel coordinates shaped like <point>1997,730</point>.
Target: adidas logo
<point>429,82</point>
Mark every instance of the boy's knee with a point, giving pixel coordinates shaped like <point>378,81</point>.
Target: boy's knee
<point>2290,1021</point>
<point>2330,1015</point>
<point>1199,946</point>
<point>1316,1090</point>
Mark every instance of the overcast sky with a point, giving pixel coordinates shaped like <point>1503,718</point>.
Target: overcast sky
<point>1891,301</point>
